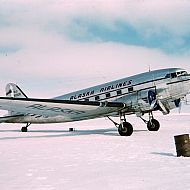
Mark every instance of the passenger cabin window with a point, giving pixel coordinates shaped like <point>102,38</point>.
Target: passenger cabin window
<point>119,92</point>
<point>97,98</point>
<point>108,95</point>
<point>130,89</point>
<point>86,100</point>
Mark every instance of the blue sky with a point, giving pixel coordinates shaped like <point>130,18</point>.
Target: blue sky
<point>50,47</point>
<point>127,34</point>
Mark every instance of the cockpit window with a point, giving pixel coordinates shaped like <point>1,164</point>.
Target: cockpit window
<point>182,73</point>
<point>173,75</point>
<point>176,74</point>
<point>167,76</point>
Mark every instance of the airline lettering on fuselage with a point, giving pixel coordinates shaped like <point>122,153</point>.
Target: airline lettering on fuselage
<point>82,95</point>
<point>116,86</point>
<point>103,89</point>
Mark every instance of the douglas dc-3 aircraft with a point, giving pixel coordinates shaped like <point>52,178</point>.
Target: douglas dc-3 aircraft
<point>144,93</point>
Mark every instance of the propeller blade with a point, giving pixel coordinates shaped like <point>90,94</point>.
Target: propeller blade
<point>155,103</point>
<point>151,96</point>
<point>178,104</point>
<point>164,110</point>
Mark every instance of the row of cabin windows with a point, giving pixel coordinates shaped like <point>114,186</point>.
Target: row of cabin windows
<point>108,94</point>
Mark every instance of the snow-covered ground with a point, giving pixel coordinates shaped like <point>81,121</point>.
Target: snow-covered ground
<point>94,157</point>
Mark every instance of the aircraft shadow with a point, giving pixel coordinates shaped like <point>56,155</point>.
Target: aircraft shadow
<point>64,133</point>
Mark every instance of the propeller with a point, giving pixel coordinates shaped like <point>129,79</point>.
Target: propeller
<point>152,99</point>
<point>155,103</point>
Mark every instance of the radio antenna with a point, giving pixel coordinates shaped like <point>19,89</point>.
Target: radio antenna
<point>149,69</point>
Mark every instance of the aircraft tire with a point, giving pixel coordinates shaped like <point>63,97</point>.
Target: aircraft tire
<point>125,129</point>
<point>153,125</point>
<point>24,129</point>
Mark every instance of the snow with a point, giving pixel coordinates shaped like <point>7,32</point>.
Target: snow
<point>94,156</point>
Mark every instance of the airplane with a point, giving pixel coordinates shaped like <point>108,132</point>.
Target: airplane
<point>144,93</point>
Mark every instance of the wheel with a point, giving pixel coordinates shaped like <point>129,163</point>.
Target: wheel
<point>24,129</point>
<point>125,129</point>
<point>153,125</point>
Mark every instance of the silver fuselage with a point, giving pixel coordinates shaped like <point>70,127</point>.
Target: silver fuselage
<point>170,84</point>
<point>133,90</point>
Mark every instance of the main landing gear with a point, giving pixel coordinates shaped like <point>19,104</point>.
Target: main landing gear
<point>152,124</point>
<point>25,129</point>
<point>124,128</point>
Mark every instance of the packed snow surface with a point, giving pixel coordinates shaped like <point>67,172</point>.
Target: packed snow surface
<point>94,156</point>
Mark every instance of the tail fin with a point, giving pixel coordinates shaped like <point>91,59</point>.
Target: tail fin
<point>12,90</point>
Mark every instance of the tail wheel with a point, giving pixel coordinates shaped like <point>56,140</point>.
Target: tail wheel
<point>125,129</point>
<point>24,129</point>
<point>153,125</point>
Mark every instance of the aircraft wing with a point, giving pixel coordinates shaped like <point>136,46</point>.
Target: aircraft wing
<point>72,110</point>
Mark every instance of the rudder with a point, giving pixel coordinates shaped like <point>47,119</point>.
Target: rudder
<point>12,90</point>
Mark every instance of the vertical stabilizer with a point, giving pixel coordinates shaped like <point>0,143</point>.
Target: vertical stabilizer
<point>12,90</point>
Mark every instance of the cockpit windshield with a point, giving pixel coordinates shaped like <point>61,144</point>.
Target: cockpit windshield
<point>176,74</point>
<point>182,73</point>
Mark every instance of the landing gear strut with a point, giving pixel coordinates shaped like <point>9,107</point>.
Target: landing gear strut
<point>25,129</point>
<point>124,128</point>
<point>152,124</point>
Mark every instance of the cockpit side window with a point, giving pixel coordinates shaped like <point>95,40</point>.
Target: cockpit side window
<point>168,75</point>
<point>182,73</point>
<point>176,74</point>
<point>173,75</point>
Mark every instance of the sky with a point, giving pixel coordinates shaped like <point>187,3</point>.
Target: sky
<point>51,47</point>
